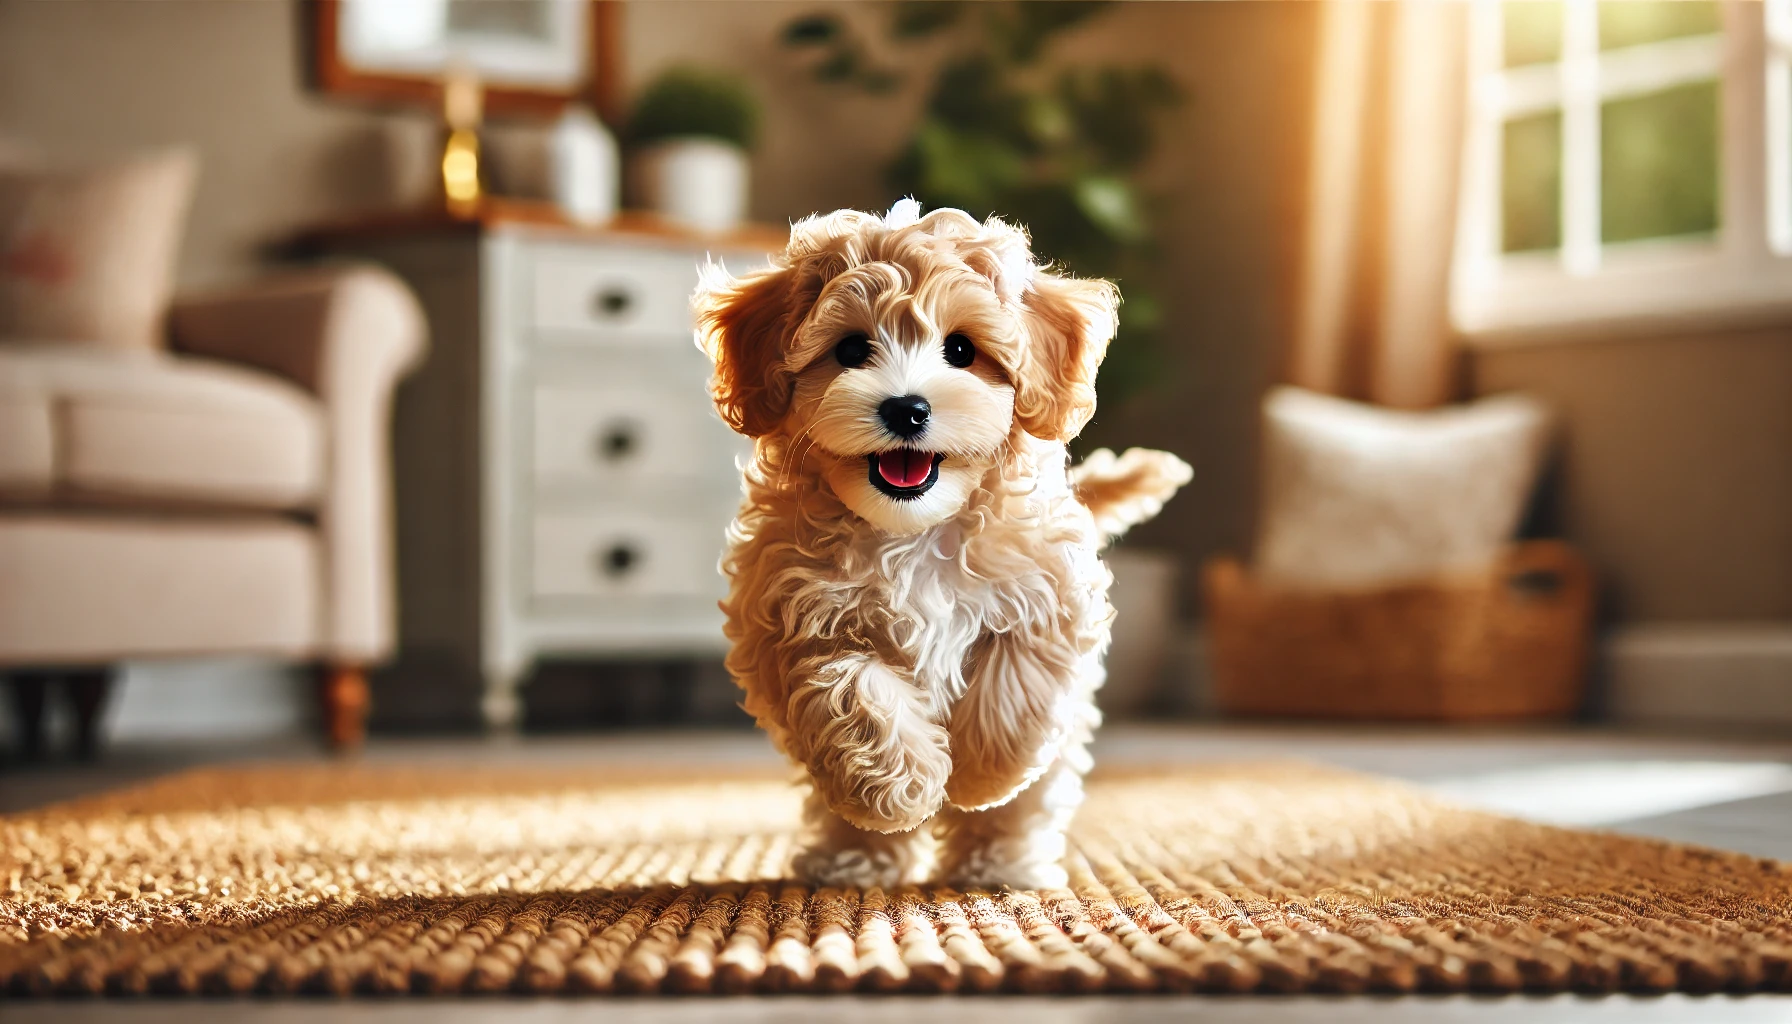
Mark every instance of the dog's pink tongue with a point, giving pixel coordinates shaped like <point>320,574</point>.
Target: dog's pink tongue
<point>904,468</point>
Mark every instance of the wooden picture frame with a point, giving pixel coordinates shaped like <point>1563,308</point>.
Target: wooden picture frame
<point>333,75</point>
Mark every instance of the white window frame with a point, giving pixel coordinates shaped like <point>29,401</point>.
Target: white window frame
<point>1740,275</point>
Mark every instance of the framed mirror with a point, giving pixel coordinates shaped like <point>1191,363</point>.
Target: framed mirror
<point>534,56</point>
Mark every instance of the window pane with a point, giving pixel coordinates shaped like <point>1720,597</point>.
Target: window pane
<point>1533,31</point>
<point>1629,22</point>
<point>1658,169</point>
<point>1531,184</point>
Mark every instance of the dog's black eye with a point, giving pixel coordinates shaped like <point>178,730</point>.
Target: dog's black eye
<point>959,350</point>
<point>853,350</point>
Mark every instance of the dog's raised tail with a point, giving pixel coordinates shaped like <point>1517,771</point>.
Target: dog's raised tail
<point>1125,490</point>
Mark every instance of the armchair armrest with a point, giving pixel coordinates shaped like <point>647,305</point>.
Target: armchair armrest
<point>347,335</point>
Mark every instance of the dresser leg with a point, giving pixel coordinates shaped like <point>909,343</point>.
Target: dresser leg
<point>29,690</point>
<point>502,704</point>
<point>342,690</point>
<point>87,691</point>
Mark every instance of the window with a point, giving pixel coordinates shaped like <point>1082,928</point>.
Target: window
<point>1779,117</point>
<point>1625,160</point>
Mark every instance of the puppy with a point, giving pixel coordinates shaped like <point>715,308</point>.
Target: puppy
<point>918,612</point>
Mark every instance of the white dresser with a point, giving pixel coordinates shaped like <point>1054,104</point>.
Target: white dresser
<point>563,482</point>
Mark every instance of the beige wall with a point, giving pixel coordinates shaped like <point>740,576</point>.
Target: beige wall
<point>1676,467</point>
<point>228,77</point>
<point>106,76</point>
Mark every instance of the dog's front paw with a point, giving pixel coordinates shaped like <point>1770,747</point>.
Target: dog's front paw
<point>975,787</point>
<point>980,873</point>
<point>895,792</point>
<point>994,774</point>
<point>1012,721</point>
<point>876,759</point>
<point>1021,845</point>
<point>860,867</point>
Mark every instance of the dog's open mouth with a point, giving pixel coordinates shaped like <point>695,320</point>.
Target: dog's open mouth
<point>904,472</point>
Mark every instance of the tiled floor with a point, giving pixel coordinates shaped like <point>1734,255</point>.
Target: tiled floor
<point>1724,792</point>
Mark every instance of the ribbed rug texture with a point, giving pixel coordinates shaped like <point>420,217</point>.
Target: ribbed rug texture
<point>1266,878</point>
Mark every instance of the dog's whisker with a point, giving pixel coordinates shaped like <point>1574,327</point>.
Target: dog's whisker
<point>794,456</point>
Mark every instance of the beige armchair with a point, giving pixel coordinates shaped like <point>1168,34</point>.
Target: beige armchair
<point>231,495</point>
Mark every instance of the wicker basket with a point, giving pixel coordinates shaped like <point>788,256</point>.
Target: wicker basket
<point>1507,643</point>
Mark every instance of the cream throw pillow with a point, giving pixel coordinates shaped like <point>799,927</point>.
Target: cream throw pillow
<point>1356,495</point>
<point>87,254</point>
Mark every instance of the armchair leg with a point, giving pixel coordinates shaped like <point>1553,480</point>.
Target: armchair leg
<point>87,690</point>
<point>29,690</point>
<point>342,689</point>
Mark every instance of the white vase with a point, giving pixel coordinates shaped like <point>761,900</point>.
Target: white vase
<point>699,183</point>
<point>583,168</point>
<point>1144,599</point>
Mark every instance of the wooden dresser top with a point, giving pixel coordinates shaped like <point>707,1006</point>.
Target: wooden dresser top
<point>535,217</point>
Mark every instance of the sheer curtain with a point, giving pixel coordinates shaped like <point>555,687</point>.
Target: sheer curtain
<point>1373,321</point>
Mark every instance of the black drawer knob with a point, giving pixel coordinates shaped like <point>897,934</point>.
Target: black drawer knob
<point>618,441</point>
<point>612,301</point>
<point>618,560</point>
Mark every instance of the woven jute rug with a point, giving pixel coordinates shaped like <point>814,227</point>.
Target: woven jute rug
<point>1276,878</point>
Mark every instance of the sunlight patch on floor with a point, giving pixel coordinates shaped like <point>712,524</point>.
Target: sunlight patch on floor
<point>1610,792</point>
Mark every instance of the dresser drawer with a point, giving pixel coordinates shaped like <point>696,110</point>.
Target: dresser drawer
<point>611,434</point>
<point>625,553</point>
<point>614,294</point>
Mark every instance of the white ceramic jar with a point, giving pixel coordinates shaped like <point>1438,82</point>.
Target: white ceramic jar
<point>584,167</point>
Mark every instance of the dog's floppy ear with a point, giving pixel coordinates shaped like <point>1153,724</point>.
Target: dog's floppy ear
<point>1069,323</point>
<point>741,322</point>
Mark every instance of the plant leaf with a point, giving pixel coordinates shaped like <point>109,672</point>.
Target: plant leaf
<point>963,169</point>
<point>1048,121</point>
<point>1107,200</point>
<point>687,101</point>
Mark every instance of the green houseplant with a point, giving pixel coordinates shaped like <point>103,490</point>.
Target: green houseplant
<point>690,102</point>
<point>692,130</point>
<point>1008,127</point>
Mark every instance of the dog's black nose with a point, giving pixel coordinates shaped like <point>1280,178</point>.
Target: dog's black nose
<point>905,416</point>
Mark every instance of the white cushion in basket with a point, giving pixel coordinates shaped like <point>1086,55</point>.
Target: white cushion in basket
<point>1357,495</point>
